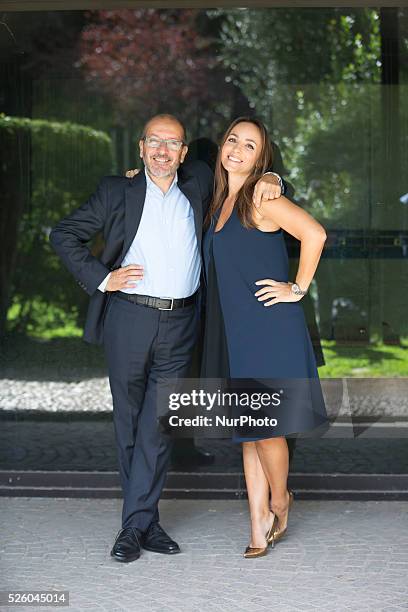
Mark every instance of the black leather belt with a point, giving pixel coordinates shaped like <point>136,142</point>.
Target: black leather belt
<point>154,302</point>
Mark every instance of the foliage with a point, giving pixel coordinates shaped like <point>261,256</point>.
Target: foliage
<point>40,319</point>
<point>62,151</point>
<point>376,360</point>
<point>270,53</point>
<point>66,161</point>
<point>312,107</point>
<point>330,156</point>
<point>147,59</point>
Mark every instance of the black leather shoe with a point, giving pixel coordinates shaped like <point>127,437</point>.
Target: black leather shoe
<point>156,539</point>
<point>127,545</point>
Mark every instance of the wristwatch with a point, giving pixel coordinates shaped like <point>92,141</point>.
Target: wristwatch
<point>297,290</point>
<point>281,185</point>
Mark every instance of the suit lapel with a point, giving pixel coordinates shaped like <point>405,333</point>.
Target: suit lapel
<point>135,196</point>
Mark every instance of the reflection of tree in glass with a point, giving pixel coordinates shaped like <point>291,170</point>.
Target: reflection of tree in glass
<point>66,161</point>
<point>313,76</point>
<point>147,58</point>
<point>309,105</point>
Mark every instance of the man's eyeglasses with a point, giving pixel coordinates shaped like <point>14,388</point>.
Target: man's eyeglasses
<point>154,143</point>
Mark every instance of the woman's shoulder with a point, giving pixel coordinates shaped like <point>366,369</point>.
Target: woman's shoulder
<point>264,215</point>
<point>267,205</point>
<point>269,208</point>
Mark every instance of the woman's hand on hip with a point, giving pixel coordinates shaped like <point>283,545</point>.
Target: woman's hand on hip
<point>275,292</point>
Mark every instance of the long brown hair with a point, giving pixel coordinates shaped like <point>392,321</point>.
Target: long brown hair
<point>243,203</point>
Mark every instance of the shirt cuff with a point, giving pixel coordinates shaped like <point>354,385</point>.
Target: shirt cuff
<point>102,286</point>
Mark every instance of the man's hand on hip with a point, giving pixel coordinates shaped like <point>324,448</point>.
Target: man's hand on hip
<point>267,188</point>
<point>125,277</point>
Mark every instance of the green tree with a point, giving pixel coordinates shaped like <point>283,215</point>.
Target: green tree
<point>49,168</point>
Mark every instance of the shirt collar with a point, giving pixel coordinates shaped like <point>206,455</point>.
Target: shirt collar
<point>152,185</point>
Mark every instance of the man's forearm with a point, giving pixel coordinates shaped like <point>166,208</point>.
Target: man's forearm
<point>88,271</point>
<point>70,237</point>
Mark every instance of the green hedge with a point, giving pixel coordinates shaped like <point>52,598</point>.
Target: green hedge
<point>73,157</point>
<point>54,167</point>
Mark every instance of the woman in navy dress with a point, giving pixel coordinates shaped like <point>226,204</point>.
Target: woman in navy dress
<point>255,324</point>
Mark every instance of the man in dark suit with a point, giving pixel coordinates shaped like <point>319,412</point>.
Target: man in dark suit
<point>144,306</point>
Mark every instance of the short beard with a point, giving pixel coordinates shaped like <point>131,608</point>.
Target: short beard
<point>161,174</point>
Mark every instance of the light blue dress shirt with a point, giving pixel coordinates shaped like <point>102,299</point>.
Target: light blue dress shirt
<point>165,245</point>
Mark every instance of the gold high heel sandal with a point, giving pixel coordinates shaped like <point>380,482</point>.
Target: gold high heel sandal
<point>253,553</point>
<point>275,534</point>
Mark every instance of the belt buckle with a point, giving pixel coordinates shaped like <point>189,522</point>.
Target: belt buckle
<point>172,302</point>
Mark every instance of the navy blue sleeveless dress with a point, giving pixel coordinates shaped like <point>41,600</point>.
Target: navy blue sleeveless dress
<point>245,339</point>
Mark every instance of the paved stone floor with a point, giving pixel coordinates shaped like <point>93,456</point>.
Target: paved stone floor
<point>337,556</point>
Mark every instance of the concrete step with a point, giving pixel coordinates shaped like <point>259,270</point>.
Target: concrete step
<point>202,485</point>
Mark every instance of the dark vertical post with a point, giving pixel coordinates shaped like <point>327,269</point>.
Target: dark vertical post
<point>386,170</point>
<point>389,31</point>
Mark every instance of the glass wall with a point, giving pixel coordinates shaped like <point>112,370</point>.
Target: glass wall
<point>330,84</point>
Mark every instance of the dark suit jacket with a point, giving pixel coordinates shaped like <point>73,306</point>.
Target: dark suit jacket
<point>115,209</point>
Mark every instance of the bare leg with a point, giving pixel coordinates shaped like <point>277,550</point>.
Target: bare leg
<point>274,458</point>
<point>258,495</point>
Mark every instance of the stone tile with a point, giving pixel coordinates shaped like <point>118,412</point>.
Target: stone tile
<point>337,556</point>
